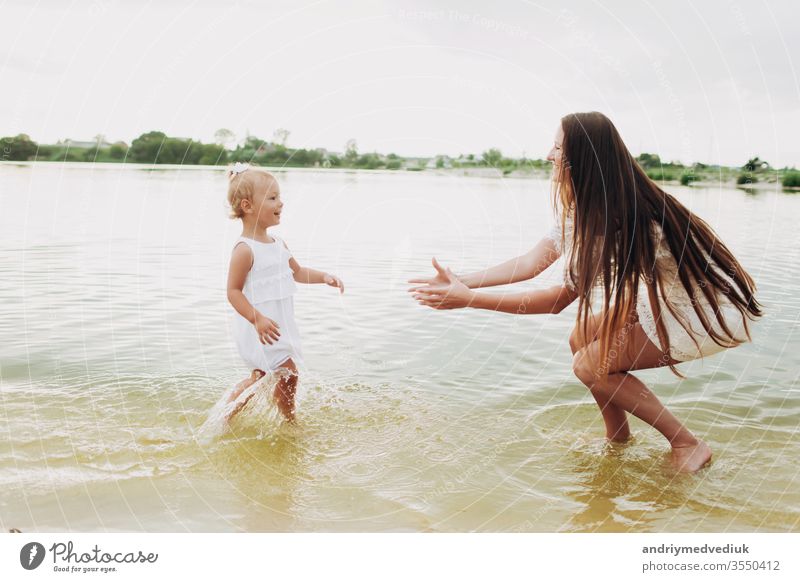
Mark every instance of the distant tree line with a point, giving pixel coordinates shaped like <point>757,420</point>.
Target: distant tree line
<point>155,147</point>
<point>752,171</point>
<point>149,148</point>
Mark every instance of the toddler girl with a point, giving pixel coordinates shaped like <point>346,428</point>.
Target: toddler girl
<point>261,285</point>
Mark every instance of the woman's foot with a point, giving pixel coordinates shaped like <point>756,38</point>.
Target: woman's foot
<point>690,458</point>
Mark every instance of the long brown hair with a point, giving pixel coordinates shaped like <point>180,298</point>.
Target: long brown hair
<point>614,205</point>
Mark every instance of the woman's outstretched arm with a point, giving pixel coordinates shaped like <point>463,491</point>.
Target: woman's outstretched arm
<point>521,268</point>
<point>452,293</point>
<point>551,300</point>
<point>515,270</point>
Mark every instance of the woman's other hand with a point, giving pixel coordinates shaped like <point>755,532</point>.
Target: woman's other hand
<point>443,291</point>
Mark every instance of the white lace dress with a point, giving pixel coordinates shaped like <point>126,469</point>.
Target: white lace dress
<point>682,348</point>
<point>270,287</point>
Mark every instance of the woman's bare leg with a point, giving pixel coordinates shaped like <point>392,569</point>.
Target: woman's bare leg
<point>286,388</point>
<point>633,350</point>
<point>614,417</point>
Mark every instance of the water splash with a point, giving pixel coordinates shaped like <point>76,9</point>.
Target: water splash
<point>258,409</point>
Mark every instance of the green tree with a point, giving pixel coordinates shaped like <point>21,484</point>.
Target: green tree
<point>17,148</point>
<point>92,154</point>
<point>755,164</point>
<point>492,157</point>
<point>369,161</point>
<point>689,177</point>
<point>350,152</point>
<point>147,148</point>
<point>213,155</point>
<point>648,161</point>
<point>118,150</point>
<point>393,162</point>
<point>746,179</point>
<point>791,179</point>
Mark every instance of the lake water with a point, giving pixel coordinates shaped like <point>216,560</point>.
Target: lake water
<point>115,334</point>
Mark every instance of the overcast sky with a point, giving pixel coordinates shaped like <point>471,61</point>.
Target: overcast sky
<point>712,81</point>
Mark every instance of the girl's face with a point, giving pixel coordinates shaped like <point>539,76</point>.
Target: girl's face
<point>267,205</point>
<point>555,154</point>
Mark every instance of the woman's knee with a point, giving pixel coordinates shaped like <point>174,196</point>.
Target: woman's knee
<point>586,369</point>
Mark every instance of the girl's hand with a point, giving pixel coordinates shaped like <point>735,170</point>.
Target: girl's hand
<point>450,294</point>
<point>439,279</point>
<point>334,281</point>
<point>266,329</point>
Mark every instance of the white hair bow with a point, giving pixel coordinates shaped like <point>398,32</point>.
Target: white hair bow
<point>239,167</point>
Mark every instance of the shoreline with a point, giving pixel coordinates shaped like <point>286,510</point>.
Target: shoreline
<point>491,173</point>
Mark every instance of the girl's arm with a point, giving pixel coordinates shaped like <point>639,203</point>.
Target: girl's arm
<point>312,276</point>
<point>241,262</point>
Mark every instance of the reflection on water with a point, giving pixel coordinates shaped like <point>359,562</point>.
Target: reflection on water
<point>116,350</point>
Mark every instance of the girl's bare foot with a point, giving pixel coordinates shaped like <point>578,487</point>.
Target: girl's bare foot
<point>237,409</point>
<point>690,458</point>
<point>241,387</point>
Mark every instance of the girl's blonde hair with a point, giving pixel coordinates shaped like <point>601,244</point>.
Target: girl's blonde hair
<point>242,184</point>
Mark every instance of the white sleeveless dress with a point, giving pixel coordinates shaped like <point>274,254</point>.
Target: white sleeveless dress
<point>270,287</point>
<point>682,347</point>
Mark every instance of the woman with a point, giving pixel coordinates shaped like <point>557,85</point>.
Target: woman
<point>669,290</point>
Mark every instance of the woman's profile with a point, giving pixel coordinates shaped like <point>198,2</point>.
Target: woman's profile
<point>655,285</point>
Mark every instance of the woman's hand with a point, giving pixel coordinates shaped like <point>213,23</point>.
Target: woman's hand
<point>334,281</point>
<point>266,329</point>
<point>444,291</point>
<point>439,279</point>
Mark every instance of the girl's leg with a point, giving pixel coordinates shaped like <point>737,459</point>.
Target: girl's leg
<point>614,417</point>
<point>633,350</point>
<point>241,386</point>
<point>285,389</point>
<point>255,376</point>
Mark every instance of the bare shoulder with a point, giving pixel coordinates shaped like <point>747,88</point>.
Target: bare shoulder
<point>242,256</point>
